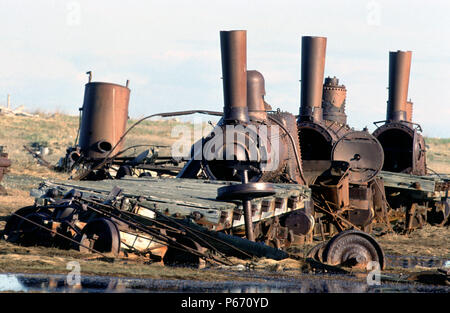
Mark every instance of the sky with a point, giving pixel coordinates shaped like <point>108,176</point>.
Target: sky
<point>170,52</point>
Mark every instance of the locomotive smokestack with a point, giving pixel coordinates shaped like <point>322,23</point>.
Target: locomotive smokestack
<point>255,96</point>
<point>312,72</point>
<point>234,74</point>
<point>399,69</point>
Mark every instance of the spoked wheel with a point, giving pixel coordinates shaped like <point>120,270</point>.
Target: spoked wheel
<point>177,256</point>
<point>353,248</point>
<point>31,232</point>
<point>100,235</point>
<point>13,231</point>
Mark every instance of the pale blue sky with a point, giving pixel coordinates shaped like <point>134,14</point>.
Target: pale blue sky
<point>170,52</point>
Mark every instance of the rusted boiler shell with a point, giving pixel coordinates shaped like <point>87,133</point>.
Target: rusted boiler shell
<point>312,72</point>
<point>399,70</point>
<point>404,148</point>
<point>104,118</point>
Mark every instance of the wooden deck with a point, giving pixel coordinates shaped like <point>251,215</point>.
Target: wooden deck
<point>422,186</point>
<point>182,197</point>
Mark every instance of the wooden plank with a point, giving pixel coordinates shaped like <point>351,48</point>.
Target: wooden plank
<point>408,182</point>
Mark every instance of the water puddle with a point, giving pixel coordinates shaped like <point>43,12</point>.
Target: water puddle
<point>99,284</point>
<point>414,261</point>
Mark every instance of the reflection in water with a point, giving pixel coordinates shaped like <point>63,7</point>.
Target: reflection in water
<point>322,284</point>
<point>413,261</point>
<point>10,282</point>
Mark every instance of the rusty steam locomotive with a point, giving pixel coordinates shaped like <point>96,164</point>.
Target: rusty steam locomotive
<point>263,174</point>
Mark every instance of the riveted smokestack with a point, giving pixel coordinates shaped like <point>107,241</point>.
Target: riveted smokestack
<point>313,66</point>
<point>255,96</point>
<point>234,74</point>
<point>399,70</point>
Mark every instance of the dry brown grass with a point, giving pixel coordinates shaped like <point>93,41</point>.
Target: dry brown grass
<point>438,154</point>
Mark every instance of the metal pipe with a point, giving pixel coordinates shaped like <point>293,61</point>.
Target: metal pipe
<point>103,146</point>
<point>399,70</point>
<point>247,206</point>
<point>312,72</point>
<point>234,74</point>
<point>255,96</point>
<point>74,156</point>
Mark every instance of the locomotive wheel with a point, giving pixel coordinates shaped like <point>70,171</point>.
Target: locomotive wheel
<point>300,223</point>
<point>177,256</point>
<point>101,235</point>
<point>353,248</point>
<point>30,234</point>
<point>11,232</point>
<point>245,191</point>
<point>14,221</point>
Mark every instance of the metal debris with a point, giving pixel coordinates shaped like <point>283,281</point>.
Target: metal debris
<point>5,163</point>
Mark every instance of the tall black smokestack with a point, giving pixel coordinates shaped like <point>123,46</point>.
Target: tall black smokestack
<point>399,70</point>
<point>312,72</point>
<point>234,74</point>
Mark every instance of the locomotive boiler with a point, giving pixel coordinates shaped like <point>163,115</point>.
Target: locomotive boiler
<point>249,136</point>
<point>412,193</point>
<point>402,142</point>
<point>338,162</point>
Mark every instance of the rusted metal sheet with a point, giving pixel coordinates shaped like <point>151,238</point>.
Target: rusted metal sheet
<point>312,73</point>
<point>104,118</point>
<point>234,75</point>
